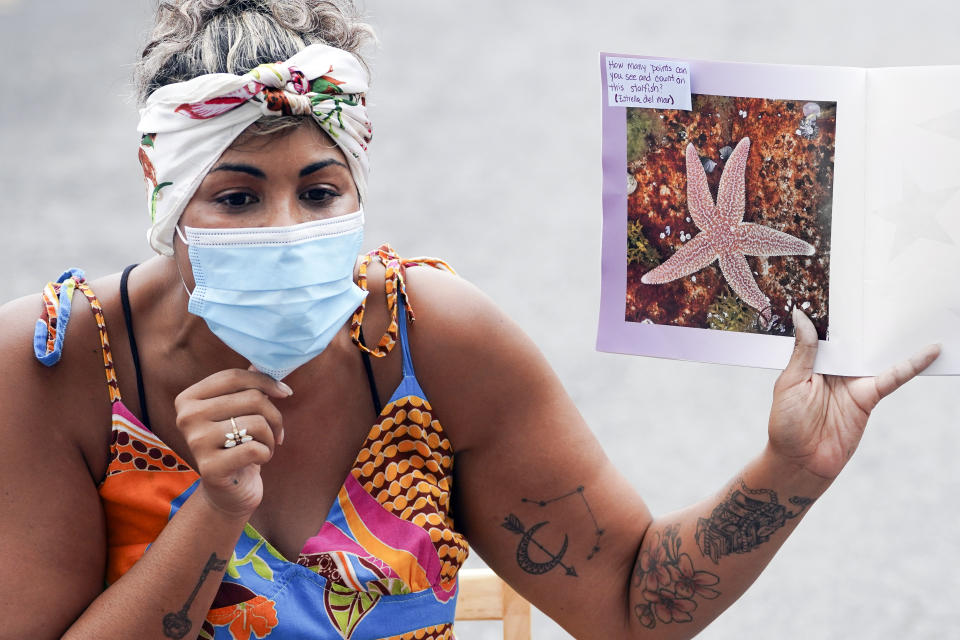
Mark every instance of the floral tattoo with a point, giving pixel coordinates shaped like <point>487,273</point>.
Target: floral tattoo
<point>669,582</point>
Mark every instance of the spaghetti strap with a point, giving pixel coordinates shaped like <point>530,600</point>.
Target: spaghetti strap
<point>51,328</point>
<point>370,379</point>
<point>399,308</point>
<point>404,343</point>
<point>395,285</point>
<point>134,352</point>
<point>409,385</point>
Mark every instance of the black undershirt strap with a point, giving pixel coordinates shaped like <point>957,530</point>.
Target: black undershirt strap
<point>128,319</point>
<point>373,382</point>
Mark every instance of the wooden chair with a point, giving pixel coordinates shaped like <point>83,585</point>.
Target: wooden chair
<point>484,596</point>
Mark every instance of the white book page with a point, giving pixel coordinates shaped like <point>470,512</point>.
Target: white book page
<point>912,234</point>
<point>843,352</point>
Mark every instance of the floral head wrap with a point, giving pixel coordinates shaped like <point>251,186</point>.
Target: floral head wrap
<point>186,126</point>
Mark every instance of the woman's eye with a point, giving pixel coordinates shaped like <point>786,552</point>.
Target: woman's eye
<point>236,200</point>
<point>319,196</point>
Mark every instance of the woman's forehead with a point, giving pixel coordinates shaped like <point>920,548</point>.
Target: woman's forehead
<point>298,143</point>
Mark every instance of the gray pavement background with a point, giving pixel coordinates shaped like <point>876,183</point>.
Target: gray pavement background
<point>486,152</point>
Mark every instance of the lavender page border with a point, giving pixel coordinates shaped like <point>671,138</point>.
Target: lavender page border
<point>617,335</point>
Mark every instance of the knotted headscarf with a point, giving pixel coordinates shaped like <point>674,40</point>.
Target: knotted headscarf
<point>186,126</point>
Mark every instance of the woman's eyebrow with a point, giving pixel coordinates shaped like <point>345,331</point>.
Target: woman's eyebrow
<point>316,166</point>
<point>242,168</point>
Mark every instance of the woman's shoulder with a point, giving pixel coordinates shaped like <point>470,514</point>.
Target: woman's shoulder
<point>53,320</point>
<point>463,345</point>
<point>51,512</point>
<point>21,320</point>
<point>63,400</point>
<point>445,308</point>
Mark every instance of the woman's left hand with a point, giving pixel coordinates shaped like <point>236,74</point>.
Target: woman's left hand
<point>817,420</point>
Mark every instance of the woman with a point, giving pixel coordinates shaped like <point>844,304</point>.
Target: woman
<point>532,490</point>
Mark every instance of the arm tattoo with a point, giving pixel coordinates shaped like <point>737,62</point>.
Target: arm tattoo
<point>669,582</point>
<point>576,492</point>
<point>554,558</point>
<point>177,625</point>
<point>528,538</point>
<point>741,523</point>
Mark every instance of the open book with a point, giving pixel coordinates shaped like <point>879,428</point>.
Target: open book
<point>734,193</point>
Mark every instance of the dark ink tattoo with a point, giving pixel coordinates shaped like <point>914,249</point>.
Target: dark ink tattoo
<point>177,625</point>
<point>512,523</point>
<point>576,492</point>
<point>741,523</point>
<point>668,581</point>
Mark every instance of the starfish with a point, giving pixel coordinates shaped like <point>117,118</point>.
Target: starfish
<point>724,236</point>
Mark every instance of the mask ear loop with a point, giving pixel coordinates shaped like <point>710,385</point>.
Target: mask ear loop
<point>180,273</point>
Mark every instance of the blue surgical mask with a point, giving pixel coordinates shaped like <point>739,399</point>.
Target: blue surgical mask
<point>276,295</point>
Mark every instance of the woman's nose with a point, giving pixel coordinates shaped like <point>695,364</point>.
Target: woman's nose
<point>287,212</point>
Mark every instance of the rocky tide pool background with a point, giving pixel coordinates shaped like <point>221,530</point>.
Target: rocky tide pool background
<point>486,152</point>
<point>789,187</point>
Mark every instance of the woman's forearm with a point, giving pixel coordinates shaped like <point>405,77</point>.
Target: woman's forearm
<point>168,592</point>
<point>695,563</point>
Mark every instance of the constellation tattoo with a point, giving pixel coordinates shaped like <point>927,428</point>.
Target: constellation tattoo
<point>177,624</point>
<point>512,523</point>
<point>741,523</point>
<point>576,492</point>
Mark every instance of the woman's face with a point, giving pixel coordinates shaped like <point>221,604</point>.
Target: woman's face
<point>271,181</point>
<point>274,180</point>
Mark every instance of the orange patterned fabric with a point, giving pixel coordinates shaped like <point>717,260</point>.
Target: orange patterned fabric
<point>144,477</point>
<point>257,616</point>
<point>407,464</point>
<point>394,283</point>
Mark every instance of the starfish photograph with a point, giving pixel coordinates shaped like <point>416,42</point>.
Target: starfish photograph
<point>724,236</point>
<point>743,259</point>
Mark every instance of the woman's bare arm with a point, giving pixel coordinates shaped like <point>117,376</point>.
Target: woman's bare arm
<point>51,520</point>
<point>539,500</point>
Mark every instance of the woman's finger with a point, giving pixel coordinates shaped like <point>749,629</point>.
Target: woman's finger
<point>233,380</point>
<point>255,426</point>
<point>800,367</point>
<point>245,402</point>
<point>897,375</point>
<point>213,453</point>
<point>218,469</point>
<point>210,439</point>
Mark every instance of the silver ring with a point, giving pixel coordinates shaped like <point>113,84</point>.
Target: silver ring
<point>236,436</point>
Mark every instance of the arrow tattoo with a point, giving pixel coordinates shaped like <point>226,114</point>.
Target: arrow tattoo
<point>512,523</point>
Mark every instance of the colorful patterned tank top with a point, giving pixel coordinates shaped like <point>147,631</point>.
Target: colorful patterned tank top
<point>383,565</point>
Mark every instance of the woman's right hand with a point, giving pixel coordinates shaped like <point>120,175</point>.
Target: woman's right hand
<point>231,476</point>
